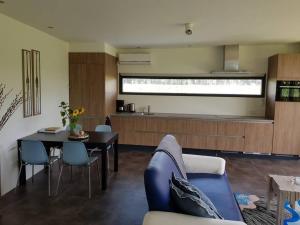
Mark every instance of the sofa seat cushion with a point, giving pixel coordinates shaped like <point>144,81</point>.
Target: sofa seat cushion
<point>217,188</point>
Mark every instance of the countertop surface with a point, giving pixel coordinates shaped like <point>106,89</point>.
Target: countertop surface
<point>197,116</point>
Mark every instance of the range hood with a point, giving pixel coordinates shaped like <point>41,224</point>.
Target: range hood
<point>231,61</point>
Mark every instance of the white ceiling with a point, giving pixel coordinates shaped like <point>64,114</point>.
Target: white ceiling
<point>150,23</point>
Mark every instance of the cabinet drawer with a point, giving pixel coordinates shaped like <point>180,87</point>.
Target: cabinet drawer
<point>202,127</point>
<point>127,138</point>
<point>231,128</point>
<point>195,141</point>
<point>230,143</point>
<point>144,138</point>
<point>127,124</point>
<point>156,124</point>
<point>140,124</point>
<point>201,142</point>
<point>176,126</point>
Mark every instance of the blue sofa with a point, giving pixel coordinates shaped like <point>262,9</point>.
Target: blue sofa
<point>207,173</point>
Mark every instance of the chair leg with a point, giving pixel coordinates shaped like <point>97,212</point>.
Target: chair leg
<point>32,172</point>
<point>59,163</point>
<point>107,155</point>
<point>18,179</point>
<point>90,195</point>
<point>59,178</point>
<point>49,180</point>
<point>98,171</point>
<point>71,169</point>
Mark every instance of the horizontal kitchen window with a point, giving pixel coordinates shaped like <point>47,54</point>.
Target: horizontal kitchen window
<point>193,86</point>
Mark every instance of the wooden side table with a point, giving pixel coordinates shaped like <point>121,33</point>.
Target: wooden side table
<point>285,190</point>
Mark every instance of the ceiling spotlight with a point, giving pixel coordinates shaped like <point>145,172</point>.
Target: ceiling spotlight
<point>2,2</point>
<point>50,27</point>
<point>189,28</point>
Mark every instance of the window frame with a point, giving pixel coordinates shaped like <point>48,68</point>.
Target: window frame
<point>262,78</point>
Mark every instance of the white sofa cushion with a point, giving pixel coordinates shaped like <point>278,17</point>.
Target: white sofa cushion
<point>203,164</point>
<point>168,218</point>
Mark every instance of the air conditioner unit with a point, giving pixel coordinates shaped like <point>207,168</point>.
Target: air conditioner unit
<point>135,59</point>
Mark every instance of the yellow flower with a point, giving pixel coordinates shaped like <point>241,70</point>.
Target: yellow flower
<point>75,112</point>
<point>81,110</point>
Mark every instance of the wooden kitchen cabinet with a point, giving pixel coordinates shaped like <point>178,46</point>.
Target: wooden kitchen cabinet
<point>93,85</point>
<point>287,128</point>
<point>195,133</point>
<point>288,67</point>
<point>259,137</point>
<point>286,115</point>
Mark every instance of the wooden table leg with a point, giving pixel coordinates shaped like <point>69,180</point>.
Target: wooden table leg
<point>48,150</point>
<point>22,179</point>
<point>116,156</point>
<point>270,193</point>
<point>104,168</point>
<point>282,196</point>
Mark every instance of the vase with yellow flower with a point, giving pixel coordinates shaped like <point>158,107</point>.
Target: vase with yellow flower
<point>71,115</point>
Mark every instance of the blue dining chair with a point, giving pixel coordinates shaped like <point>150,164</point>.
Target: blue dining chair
<point>34,153</point>
<point>77,129</point>
<point>104,128</point>
<point>75,154</point>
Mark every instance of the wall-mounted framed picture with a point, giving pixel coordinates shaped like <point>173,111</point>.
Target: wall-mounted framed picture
<point>31,69</point>
<point>27,83</point>
<point>36,78</point>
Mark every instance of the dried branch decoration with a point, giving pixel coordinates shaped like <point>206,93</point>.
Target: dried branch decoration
<point>17,101</point>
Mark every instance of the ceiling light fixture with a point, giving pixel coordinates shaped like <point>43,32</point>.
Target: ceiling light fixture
<point>50,27</point>
<point>2,2</point>
<point>189,28</point>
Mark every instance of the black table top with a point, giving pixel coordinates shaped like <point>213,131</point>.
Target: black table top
<point>95,138</point>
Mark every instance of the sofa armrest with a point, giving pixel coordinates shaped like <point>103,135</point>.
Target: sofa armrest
<point>169,218</point>
<point>203,164</point>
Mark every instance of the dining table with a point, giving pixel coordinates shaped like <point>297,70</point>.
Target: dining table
<point>100,140</point>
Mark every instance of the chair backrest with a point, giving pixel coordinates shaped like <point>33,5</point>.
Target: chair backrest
<point>34,152</point>
<point>78,127</point>
<point>103,128</point>
<point>75,153</point>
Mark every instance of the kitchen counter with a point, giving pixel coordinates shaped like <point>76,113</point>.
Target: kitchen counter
<point>198,116</point>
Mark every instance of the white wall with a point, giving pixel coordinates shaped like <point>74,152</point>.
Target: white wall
<point>92,47</point>
<point>55,87</point>
<point>199,60</point>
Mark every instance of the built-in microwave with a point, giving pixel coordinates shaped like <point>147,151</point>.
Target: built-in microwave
<point>288,91</point>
